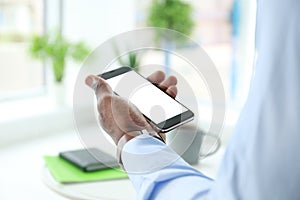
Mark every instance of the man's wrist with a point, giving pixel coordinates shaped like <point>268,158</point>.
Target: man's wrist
<point>130,135</point>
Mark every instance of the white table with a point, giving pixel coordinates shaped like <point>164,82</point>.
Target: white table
<point>117,189</point>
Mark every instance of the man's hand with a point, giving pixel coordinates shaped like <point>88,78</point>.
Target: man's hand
<point>118,116</point>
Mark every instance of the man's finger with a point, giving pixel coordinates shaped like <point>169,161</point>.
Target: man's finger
<point>99,85</point>
<point>170,81</point>
<point>92,82</point>
<point>172,91</point>
<point>157,77</point>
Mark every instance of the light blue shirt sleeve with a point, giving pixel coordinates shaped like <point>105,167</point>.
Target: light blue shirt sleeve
<point>157,172</point>
<point>262,159</point>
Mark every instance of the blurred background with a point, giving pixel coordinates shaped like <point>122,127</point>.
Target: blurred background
<point>44,42</point>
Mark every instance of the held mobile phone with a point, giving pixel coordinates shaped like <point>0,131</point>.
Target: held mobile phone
<point>157,106</point>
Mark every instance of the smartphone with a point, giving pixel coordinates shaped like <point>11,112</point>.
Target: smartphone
<point>158,107</point>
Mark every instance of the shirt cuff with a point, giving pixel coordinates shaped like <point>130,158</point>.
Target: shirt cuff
<point>146,154</point>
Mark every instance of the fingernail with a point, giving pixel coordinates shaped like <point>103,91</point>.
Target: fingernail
<point>92,82</point>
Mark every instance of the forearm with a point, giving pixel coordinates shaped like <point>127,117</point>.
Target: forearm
<point>157,171</point>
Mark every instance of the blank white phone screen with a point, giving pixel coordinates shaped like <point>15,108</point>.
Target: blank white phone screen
<point>151,101</point>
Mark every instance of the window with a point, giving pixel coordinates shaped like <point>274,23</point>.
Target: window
<point>19,75</point>
<point>225,29</point>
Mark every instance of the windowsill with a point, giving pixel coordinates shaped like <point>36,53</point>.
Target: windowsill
<point>39,116</point>
<point>33,117</point>
<point>20,109</point>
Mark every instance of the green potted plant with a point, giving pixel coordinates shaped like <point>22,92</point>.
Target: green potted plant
<point>55,48</point>
<point>171,14</point>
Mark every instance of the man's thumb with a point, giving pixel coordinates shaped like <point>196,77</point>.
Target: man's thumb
<point>98,84</point>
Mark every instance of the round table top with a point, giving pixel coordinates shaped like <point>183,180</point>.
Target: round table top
<point>117,189</point>
<point>112,189</point>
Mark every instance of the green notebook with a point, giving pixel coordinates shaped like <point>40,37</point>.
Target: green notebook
<point>65,172</point>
